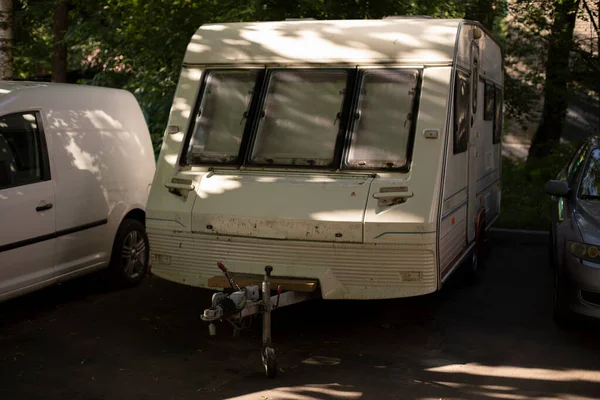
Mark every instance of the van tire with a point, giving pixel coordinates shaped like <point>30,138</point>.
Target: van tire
<point>130,255</point>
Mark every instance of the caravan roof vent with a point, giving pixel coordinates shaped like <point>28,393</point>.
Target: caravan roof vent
<point>407,17</point>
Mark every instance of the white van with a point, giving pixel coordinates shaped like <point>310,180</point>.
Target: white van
<point>364,155</point>
<point>76,164</point>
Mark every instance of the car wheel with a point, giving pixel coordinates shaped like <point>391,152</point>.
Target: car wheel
<point>130,255</point>
<point>552,250</point>
<point>563,316</point>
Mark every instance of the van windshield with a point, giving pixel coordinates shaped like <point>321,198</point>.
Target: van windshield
<point>300,121</point>
<point>383,119</point>
<point>220,121</point>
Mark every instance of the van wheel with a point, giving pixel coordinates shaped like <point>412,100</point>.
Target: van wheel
<point>130,255</point>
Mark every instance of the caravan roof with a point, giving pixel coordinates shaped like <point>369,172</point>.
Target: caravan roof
<point>418,41</point>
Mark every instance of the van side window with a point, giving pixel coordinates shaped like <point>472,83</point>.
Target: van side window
<point>384,119</point>
<point>22,156</point>
<point>498,116</point>
<point>461,112</point>
<point>300,122</point>
<point>221,117</point>
<point>489,94</point>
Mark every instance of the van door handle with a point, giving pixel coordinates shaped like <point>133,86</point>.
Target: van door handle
<point>386,195</point>
<point>44,207</point>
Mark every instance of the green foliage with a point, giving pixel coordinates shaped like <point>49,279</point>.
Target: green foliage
<point>525,204</point>
<point>139,45</point>
<point>33,38</point>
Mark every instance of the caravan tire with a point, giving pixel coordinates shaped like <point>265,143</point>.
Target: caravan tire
<point>477,259</point>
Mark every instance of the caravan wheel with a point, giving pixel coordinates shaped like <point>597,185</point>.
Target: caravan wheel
<point>477,259</point>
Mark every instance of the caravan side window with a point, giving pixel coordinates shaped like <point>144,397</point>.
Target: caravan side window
<point>490,93</point>
<point>220,122</point>
<point>461,112</point>
<point>384,119</point>
<point>498,117</point>
<point>300,122</point>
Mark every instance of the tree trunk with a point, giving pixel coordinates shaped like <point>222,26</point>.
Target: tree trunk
<point>556,92</point>
<point>6,39</point>
<point>481,11</point>
<point>59,57</point>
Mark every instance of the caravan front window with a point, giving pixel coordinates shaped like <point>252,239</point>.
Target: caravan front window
<point>384,119</point>
<point>221,117</point>
<point>300,121</point>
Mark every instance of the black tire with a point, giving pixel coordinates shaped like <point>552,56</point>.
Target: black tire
<point>563,316</point>
<point>131,238</point>
<point>269,362</point>
<point>477,258</point>
<point>552,250</point>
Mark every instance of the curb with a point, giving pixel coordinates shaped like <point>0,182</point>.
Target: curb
<point>519,236</point>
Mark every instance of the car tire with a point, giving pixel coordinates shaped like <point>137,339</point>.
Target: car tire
<point>563,316</point>
<point>552,250</point>
<point>130,255</point>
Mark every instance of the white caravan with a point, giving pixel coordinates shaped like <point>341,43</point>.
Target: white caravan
<point>364,155</point>
<point>76,163</point>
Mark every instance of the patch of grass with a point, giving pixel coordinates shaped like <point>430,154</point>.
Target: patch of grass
<point>525,204</point>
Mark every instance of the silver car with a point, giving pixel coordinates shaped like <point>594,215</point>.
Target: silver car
<point>575,234</point>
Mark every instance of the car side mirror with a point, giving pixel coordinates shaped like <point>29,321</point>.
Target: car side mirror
<point>558,188</point>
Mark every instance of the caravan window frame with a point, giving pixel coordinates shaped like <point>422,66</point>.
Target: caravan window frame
<point>351,132</point>
<point>498,114</point>
<point>461,146</point>
<point>183,160</point>
<point>342,124</point>
<point>344,139</point>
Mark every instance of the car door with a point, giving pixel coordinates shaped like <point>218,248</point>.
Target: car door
<point>26,204</point>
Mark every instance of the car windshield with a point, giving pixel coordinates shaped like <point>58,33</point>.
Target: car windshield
<point>590,184</point>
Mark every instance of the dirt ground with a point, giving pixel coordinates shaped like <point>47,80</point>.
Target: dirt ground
<point>495,340</point>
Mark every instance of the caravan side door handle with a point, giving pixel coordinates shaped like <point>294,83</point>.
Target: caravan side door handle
<point>387,195</point>
<point>180,186</point>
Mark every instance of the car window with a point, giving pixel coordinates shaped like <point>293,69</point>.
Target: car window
<point>590,182</point>
<point>576,163</point>
<point>21,159</point>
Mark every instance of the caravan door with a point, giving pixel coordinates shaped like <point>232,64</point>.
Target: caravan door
<point>473,202</point>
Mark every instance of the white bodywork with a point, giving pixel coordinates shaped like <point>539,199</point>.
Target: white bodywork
<point>99,166</point>
<point>364,233</point>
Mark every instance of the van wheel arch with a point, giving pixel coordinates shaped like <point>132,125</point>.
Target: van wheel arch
<point>137,214</point>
